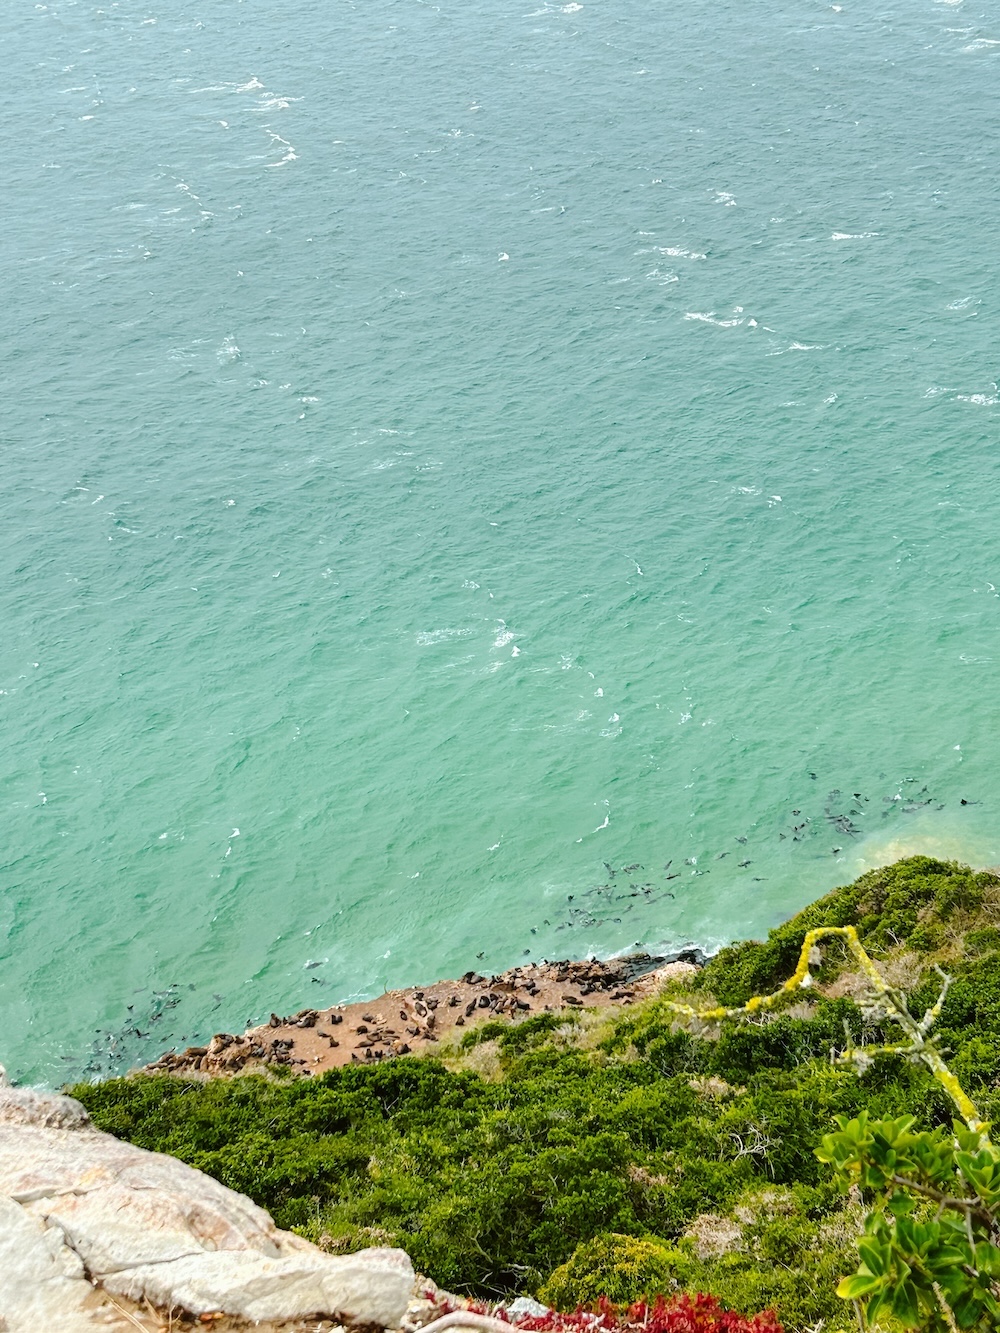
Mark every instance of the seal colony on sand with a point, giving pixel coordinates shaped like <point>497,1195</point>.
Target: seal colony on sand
<point>417,1018</point>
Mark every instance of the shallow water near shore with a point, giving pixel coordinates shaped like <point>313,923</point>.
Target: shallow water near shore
<point>473,477</point>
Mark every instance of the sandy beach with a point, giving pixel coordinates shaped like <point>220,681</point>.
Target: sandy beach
<point>420,1018</point>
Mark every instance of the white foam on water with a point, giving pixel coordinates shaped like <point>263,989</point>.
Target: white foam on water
<point>289,154</point>
<point>708,317</point>
<point>428,637</point>
<point>678,252</point>
<point>982,44</point>
<point>852,235</point>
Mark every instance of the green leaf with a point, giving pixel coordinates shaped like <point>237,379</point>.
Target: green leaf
<point>860,1284</point>
<point>875,1257</point>
<point>906,1303</point>
<point>900,1204</point>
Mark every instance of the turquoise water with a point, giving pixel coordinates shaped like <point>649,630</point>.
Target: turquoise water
<point>450,447</point>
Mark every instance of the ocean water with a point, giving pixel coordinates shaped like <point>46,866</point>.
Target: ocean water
<point>453,452</point>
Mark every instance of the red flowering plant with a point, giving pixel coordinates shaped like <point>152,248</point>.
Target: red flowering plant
<point>678,1314</point>
<point>682,1313</point>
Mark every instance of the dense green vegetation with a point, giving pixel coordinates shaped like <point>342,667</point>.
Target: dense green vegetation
<point>927,904</point>
<point>699,1143</point>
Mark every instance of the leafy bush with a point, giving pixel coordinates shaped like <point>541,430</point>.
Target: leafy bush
<point>623,1269</point>
<point>787,1254</point>
<point>929,1267</point>
<point>885,905</point>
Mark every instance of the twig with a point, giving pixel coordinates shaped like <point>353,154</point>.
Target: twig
<point>128,1315</point>
<point>967,1206</point>
<point>946,1310</point>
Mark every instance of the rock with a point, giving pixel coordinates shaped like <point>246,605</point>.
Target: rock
<point>372,1286</point>
<point>524,1305</point>
<point>25,1106</point>
<point>42,1284</point>
<point>77,1204</point>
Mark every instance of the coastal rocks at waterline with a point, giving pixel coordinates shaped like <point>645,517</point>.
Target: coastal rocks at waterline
<point>416,1019</point>
<point>85,1219</point>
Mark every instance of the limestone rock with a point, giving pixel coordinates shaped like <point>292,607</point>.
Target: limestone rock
<point>147,1226</point>
<point>25,1106</point>
<point>42,1285</point>
<point>370,1287</point>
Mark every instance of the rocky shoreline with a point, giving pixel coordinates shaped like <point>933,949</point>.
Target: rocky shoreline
<point>417,1019</point>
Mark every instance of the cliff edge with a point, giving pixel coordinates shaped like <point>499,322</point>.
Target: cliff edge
<point>93,1229</point>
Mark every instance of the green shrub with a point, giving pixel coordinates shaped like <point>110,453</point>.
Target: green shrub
<point>984,940</point>
<point>885,905</point>
<point>485,1032</point>
<point>625,1269</point>
<point>929,1268</point>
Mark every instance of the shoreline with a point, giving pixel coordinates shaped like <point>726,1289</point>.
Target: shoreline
<point>415,1019</point>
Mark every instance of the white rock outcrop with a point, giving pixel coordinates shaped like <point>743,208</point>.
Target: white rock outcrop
<point>81,1210</point>
<point>42,1283</point>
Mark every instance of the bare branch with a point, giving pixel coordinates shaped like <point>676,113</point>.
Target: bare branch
<point>971,1207</point>
<point>890,1000</point>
